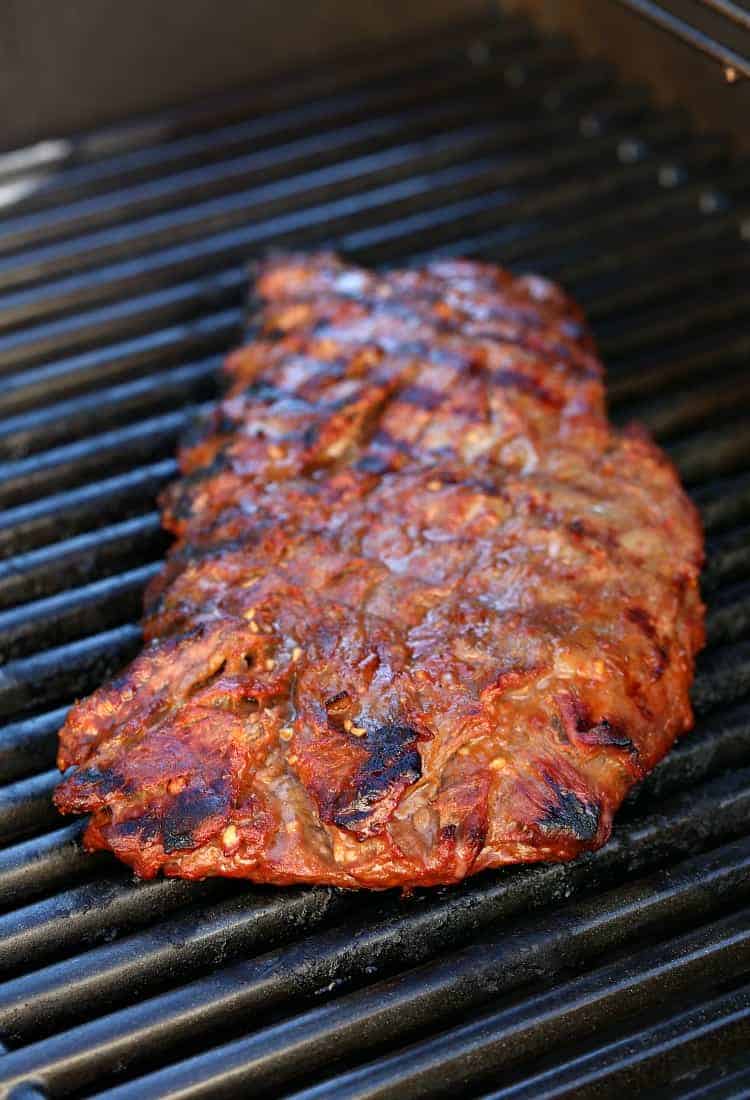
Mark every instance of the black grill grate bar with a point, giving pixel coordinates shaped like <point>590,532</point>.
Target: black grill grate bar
<point>445,110</point>
<point>103,603</point>
<point>99,553</point>
<point>44,679</point>
<point>72,463</point>
<point>26,479</point>
<point>724,308</point>
<point>182,304</point>
<point>724,503</point>
<point>67,421</point>
<point>335,223</point>
<point>723,675</point>
<point>613,195</point>
<point>103,159</point>
<point>597,272</point>
<point>534,67</point>
<point>729,614</point>
<point>682,204</point>
<point>466,157</point>
<point>712,453</point>
<point>608,311</point>
<point>26,389</point>
<point>151,1028</point>
<point>494,1043</point>
<point>696,402</point>
<point>497,1042</point>
<point>29,745</point>
<point>728,558</point>
<point>83,916</point>
<point>733,1084</point>
<point>718,743</point>
<point>623,384</point>
<point>179,299</point>
<point>88,507</point>
<point>655,1055</point>
<point>608,208</point>
<point>185,301</point>
<point>44,864</point>
<point>26,806</point>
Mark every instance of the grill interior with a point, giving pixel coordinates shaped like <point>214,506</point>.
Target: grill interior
<point>121,284</point>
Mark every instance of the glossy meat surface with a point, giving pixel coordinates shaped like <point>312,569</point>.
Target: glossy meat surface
<point>426,611</point>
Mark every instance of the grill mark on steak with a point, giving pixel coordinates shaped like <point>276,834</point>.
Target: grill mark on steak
<point>393,762</point>
<point>422,397</point>
<point>522,382</point>
<point>189,812</point>
<point>390,513</point>
<point>583,730</point>
<point>567,812</point>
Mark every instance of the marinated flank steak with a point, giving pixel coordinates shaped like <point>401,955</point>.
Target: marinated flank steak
<point>426,611</point>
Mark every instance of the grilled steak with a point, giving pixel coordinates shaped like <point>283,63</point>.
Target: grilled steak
<point>426,611</point>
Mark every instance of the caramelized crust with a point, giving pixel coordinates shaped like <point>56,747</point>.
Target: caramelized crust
<point>426,611</point>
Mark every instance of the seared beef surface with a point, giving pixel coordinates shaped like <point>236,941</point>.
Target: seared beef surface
<point>426,611</point>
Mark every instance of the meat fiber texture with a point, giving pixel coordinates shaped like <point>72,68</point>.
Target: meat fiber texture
<point>426,613</point>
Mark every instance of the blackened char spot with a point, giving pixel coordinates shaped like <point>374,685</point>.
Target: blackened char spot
<point>580,728</point>
<point>225,424</point>
<point>516,380</point>
<point>146,827</point>
<point>190,552</point>
<point>265,391</point>
<point>105,780</point>
<point>393,762</point>
<point>179,498</point>
<point>218,463</point>
<point>565,812</point>
<point>449,832</point>
<point>573,329</point>
<point>476,832</point>
<point>422,397</point>
<point>383,438</point>
<point>373,464</point>
<point>197,430</point>
<point>188,812</point>
<point>606,733</point>
<point>310,436</point>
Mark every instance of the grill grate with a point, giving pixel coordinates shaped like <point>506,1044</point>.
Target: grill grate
<point>121,283</point>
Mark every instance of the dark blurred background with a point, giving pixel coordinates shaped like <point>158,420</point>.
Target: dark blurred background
<point>70,66</point>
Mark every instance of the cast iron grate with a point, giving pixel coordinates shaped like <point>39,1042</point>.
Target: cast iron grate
<point>121,284</point>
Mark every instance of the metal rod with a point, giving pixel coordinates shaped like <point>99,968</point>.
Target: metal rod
<point>735,64</point>
<point>738,15</point>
